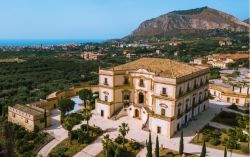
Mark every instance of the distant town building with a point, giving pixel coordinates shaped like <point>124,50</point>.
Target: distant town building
<point>176,53</point>
<point>158,52</point>
<point>200,61</point>
<point>175,43</point>
<point>222,60</point>
<point>125,52</point>
<point>229,95</point>
<point>164,94</point>
<point>91,55</point>
<point>131,55</point>
<point>29,116</point>
<point>226,42</point>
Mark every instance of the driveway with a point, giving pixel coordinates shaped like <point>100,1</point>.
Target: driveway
<point>57,131</point>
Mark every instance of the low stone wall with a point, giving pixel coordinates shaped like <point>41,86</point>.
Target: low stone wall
<point>57,96</point>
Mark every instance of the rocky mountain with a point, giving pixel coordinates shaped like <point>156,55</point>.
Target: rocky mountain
<point>185,21</point>
<point>247,21</point>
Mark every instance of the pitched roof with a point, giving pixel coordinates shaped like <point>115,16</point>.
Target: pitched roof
<point>28,109</point>
<point>232,56</point>
<point>162,67</point>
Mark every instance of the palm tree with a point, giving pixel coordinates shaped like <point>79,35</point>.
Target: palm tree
<point>85,95</point>
<point>86,115</point>
<point>105,143</point>
<point>123,129</point>
<point>68,126</point>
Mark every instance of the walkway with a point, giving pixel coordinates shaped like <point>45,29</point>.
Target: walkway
<point>57,131</point>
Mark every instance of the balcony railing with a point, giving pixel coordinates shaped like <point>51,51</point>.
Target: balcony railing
<point>164,93</point>
<point>181,93</point>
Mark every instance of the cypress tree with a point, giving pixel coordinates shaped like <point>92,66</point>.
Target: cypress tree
<point>45,118</point>
<point>181,145</point>
<point>225,152</point>
<point>203,151</point>
<point>157,148</point>
<point>149,147</point>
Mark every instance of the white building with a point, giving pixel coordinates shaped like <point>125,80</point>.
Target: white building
<point>164,94</point>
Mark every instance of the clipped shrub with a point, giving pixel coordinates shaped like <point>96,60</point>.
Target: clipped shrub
<point>205,138</point>
<point>243,138</point>
<point>233,106</point>
<point>135,145</point>
<point>215,141</point>
<point>84,127</point>
<point>244,149</point>
<point>169,154</point>
<point>118,139</point>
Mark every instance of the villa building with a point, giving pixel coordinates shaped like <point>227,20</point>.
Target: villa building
<point>91,55</point>
<point>29,116</point>
<point>164,94</point>
<point>228,95</point>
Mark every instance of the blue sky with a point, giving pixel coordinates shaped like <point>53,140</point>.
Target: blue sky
<point>93,19</point>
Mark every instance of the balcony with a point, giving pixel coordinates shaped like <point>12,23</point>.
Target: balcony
<point>180,115</point>
<point>163,94</point>
<point>105,83</point>
<point>103,102</point>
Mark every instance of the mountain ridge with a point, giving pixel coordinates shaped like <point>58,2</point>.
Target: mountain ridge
<point>184,21</point>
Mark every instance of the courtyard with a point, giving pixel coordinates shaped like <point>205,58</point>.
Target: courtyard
<point>137,134</point>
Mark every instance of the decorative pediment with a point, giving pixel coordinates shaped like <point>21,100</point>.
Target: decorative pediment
<point>106,93</point>
<point>164,105</point>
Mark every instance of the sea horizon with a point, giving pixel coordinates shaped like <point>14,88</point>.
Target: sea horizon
<point>46,42</point>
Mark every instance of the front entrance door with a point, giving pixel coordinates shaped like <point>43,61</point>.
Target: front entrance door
<point>136,113</point>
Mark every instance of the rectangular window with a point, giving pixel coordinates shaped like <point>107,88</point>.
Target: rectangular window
<point>163,111</point>
<point>106,98</point>
<point>141,83</point>
<point>125,80</point>
<point>26,121</point>
<point>228,99</point>
<point>105,81</point>
<point>164,91</point>
<point>102,113</point>
<point>13,115</point>
<point>158,130</point>
<point>237,100</point>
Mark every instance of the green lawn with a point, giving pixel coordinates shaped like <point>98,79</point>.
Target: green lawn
<point>131,151</point>
<point>80,139</point>
<point>68,149</point>
<point>226,118</point>
<point>198,139</point>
